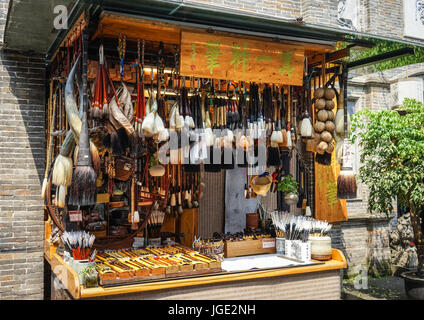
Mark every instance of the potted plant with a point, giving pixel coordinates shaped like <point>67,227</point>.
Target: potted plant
<point>392,154</point>
<point>290,187</point>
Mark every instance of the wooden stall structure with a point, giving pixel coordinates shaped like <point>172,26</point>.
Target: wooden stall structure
<point>192,55</point>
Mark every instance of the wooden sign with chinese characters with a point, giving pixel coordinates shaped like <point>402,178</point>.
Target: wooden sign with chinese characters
<point>212,56</point>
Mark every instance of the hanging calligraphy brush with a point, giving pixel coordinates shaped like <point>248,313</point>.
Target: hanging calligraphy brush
<point>52,126</point>
<point>244,141</point>
<point>282,126</point>
<point>208,125</point>
<point>291,135</point>
<point>63,165</point>
<point>141,100</point>
<point>306,125</point>
<point>346,182</point>
<point>179,195</point>
<point>95,105</point>
<point>276,136</point>
<point>83,188</point>
<point>246,184</point>
<point>194,163</point>
<point>173,201</point>
<point>260,118</point>
<point>213,161</point>
<point>188,117</point>
<point>62,168</point>
<point>227,152</point>
<point>257,130</point>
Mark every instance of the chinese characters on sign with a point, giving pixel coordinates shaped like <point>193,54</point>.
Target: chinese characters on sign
<point>240,57</point>
<point>212,54</point>
<point>220,57</point>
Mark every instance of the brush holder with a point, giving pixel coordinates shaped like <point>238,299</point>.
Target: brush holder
<point>155,242</point>
<point>297,249</point>
<point>320,248</point>
<point>291,198</point>
<point>280,244</point>
<point>79,265</point>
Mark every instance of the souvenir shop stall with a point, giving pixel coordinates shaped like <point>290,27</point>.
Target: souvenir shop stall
<point>141,116</point>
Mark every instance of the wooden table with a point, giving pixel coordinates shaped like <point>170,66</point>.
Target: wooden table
<point>321,281</point>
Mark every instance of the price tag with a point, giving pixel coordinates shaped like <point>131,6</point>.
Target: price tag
<point>268,243</point>
<point>75,216</point>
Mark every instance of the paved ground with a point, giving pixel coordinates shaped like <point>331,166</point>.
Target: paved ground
<point>387,288</point>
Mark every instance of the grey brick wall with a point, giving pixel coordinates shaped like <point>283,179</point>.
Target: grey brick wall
<point>289,9</point>
<point>22,160</point>
<point>4,6</point>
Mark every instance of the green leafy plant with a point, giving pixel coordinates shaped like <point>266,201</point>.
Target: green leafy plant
<point>392,154</point>
<point>288,185</point>
<point>382,46</point>
<point>153,161</point>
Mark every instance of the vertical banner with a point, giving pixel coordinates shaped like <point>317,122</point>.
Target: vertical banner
<point>327,206</point>
<point>212,56</point>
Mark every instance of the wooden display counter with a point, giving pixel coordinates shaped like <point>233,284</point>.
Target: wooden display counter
<point>321,281</point>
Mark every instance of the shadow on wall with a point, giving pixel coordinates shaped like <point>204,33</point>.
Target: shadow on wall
<point>365,245</point>
<point>379,262</point>
<point>338,242</point>
<point>22,126</point>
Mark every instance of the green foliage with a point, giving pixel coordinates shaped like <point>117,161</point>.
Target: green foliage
<point>392,154</point>
<point>382,46</point>
<point>288,185</point>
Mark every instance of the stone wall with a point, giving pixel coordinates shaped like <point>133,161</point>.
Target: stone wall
<point>22,161</point>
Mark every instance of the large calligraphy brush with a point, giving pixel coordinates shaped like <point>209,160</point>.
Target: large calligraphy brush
<point>83,190</point>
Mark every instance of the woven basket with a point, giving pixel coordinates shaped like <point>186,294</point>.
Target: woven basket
<point>261,185</point>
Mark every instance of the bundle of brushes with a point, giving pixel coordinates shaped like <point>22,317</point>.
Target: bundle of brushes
<point>79,244</point>
<point>320,228</point>
<point>155,222</point>
<point>293,227</point>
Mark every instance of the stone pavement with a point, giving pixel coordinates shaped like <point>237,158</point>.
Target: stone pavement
<point>385,288</point>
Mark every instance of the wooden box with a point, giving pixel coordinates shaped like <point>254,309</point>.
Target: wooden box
<point>249,247</point>
<point>189,226</point>
<point>215,265</point>
<point>99,234</point>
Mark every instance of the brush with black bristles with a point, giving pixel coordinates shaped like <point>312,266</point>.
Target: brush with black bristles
<point>346,181</point>
<point>83,190</point>
<point>276,136</point>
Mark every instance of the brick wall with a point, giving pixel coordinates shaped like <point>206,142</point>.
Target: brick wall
<point>4,6</point>
<point>289,9</point>
<point>22,160</point>
<point>384,17</point>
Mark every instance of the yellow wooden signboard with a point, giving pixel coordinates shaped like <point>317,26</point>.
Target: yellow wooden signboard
<point>327,206</point>
<point>219,57</point>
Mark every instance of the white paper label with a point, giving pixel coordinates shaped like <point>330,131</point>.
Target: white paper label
<point>75,216</point>
<point>268,243</point>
